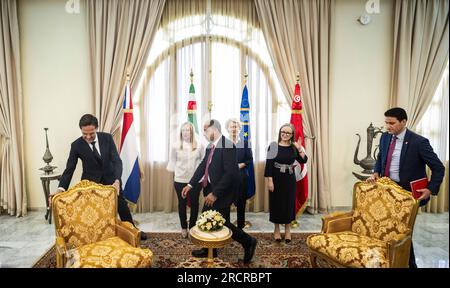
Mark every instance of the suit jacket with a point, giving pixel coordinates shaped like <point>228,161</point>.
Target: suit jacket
<point>416,153</point>
<point>223,172</point>
<point>105,173</point>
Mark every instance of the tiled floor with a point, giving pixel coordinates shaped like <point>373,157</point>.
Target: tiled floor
<point>24,240</point>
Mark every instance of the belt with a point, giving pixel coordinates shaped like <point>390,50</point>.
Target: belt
<point>284,167</point>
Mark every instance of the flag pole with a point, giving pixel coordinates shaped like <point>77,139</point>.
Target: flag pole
<point>294,223</point>
<point>210,104</point>
<point>247,224</point>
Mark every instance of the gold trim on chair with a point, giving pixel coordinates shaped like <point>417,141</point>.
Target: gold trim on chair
<point>88,233</point>
<point>376,233</point>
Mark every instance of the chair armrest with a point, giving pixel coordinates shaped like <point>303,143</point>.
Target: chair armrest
<point>127,232</point>
<point>398,250</point>
<point>61,252</point>
<point>337,222</point>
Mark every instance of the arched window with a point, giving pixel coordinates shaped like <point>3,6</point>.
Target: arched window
<point>220,46</point>
<point>219,53</point>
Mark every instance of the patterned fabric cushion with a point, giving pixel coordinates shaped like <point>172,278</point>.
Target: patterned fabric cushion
<point>381,211</point>
<point>86,214</point>
<point>109,253</point>
<point>350,249</point>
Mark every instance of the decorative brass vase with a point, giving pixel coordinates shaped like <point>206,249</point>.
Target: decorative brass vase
<point>48,157</point>
<point>368,163</point>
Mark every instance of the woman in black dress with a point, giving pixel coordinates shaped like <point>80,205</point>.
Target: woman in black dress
<point>281,182</point>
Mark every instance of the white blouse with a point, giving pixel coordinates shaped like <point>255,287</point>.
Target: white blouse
<point>184,161</point>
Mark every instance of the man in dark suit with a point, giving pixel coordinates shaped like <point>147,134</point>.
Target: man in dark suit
<point>101,162</point>
<point>218,174</point>
<point>403,157</point>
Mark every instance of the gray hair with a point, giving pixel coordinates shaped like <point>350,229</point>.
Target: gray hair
<point>232,120</point>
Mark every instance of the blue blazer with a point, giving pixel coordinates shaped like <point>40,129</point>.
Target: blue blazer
<point>416,153</point>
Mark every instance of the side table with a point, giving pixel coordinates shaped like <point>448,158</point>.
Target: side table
<point>210,240</point>
<point>46,179</point>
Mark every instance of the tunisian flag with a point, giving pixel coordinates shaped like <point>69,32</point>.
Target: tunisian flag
<point>302,178</point>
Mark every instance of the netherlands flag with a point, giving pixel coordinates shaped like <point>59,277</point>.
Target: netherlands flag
<point>129,154</point>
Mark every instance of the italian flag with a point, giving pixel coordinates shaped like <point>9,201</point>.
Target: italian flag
<point>192,108</point>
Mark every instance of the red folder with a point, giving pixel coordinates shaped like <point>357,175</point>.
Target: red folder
<point>417,185</point>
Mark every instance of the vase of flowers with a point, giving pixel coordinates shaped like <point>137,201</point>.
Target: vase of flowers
<point>210,220</point>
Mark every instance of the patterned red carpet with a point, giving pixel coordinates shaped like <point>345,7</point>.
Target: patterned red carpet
<point>172,251</point>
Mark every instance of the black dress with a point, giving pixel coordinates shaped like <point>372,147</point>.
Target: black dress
<point>282,199</point>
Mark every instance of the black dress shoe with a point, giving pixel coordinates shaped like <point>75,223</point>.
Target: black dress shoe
<point>250,251</point>
<point>143,236</point>
<point>203,253</point>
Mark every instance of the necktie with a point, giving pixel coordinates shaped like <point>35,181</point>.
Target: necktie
<point>389,156</point>
<point>97,156</point>
<point>205,177</point>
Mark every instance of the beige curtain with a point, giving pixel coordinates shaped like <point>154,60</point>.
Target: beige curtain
<point>434,126</point>
<point>298,36</point>
<point>178,9</point>
<point>121,33</point>
<point>439,203</point>
<point>421,47</point>
<point>13,197</point>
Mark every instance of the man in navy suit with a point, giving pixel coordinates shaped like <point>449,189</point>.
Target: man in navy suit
<point>403,157</point>
<point>218,174</point>
<point>101,162</point>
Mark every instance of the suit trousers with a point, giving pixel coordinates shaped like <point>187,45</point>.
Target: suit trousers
<point>238,234</point>
<point>241,200</point>
<point>123,209</point>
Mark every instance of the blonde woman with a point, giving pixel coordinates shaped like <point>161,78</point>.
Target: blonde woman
<point>244,159</point>
<point>280,176</point>
<point>185,156</point>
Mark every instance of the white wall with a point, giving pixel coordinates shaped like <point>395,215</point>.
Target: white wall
<point>57,88</point>
<point>56,84</point>
<point>360,87</point>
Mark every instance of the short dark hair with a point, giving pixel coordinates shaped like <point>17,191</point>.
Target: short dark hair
<point>87,120</point>
<point>397,112</point>
<point>216,124</point>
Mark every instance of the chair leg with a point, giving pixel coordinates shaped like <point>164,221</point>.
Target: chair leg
<point>312,259</point>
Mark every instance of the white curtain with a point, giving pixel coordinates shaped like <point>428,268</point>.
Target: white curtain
<point>220,41</point>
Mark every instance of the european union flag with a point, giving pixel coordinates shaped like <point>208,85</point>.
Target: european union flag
<point>246,135</point>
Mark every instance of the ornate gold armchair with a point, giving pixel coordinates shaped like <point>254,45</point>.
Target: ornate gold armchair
<point>88,233</point>
<point>375,234</point>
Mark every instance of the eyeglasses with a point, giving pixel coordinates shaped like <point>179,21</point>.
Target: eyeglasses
<point>286,133</point>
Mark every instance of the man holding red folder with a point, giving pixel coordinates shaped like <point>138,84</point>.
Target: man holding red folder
<point>403,156</point>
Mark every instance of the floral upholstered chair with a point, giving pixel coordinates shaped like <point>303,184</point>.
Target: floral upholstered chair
<point>377,233</point>
<point>88,233</point>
